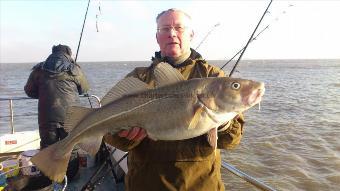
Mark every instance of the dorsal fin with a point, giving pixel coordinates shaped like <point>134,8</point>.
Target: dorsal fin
<point>165,74</point>
<point>74,115</point>
<point>125,86</point>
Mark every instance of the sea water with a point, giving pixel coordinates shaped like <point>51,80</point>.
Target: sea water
<point>292,143</point>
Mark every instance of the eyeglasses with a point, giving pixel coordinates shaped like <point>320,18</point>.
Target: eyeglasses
<point>167,29</point>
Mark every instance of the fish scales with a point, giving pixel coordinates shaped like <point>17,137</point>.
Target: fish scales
<point>176,109</point>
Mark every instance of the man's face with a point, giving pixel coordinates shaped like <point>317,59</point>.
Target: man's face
<point>176,41</point>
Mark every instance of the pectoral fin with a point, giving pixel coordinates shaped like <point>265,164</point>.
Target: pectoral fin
<point>196,118</point>
<point>212,138</point>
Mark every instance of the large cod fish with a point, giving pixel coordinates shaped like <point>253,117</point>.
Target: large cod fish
<point>175,109</point>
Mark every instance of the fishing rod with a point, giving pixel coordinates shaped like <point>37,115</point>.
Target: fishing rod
<point>246,177</point>
<point>81,35</point>
<point>229,167</point>
<point>250,39</point>
<point>206,36</point>
<point>82,29</point>
<point>254,38</point>
<point>244,47</point>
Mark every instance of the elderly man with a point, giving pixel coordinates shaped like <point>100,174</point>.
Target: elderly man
<point>188,164</point>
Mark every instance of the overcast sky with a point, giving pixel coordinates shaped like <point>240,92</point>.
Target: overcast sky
<point>297,29</point>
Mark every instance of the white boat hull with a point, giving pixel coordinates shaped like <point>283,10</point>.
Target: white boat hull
<point>19,141</point>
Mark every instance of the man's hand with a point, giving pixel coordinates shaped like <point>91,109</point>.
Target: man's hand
<point>134,134</point>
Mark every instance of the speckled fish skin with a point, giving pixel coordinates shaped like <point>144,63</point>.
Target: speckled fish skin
<point>182,110</point>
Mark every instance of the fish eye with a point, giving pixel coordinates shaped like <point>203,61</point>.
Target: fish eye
<point>235,85</point>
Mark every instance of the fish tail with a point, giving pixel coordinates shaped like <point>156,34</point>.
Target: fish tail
<point>50,164</point>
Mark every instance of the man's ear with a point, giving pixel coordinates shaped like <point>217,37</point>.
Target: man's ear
<point>157,38</point>
<point>192,34</point>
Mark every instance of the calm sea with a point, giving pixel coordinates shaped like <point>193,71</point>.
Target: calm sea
<point>292,143</point>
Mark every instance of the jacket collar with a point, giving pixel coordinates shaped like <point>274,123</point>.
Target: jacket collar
<point>193,56</point>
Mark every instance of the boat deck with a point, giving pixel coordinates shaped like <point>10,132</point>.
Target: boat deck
<point>98,177</point>
<point>105,178</point>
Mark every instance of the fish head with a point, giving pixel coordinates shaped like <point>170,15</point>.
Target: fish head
<point>225,94</point>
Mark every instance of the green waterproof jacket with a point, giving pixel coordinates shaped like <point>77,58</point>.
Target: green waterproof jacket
<point>177,165</point>
<point>57,83</point>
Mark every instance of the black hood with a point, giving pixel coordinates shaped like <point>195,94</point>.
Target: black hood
<point>58,62</point>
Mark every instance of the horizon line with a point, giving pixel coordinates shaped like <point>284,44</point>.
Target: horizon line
<point>276,59</point>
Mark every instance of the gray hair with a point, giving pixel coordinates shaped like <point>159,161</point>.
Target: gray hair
<point>171,10</point>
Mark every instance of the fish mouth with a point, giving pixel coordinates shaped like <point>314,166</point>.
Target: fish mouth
<point>254,98</point>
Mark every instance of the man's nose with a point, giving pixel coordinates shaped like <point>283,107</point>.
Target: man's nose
<point>173,32</point>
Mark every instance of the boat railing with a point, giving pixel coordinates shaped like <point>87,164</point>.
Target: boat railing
<point>255,182</point>
<point>11,110</point>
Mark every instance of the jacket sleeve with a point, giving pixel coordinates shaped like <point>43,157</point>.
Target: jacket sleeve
<point>31,88</point>
<point>229,134</point>
<point>81,81</point>
<point>231,137</point>
<point>121,142</point>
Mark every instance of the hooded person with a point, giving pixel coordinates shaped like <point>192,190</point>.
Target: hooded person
<point>56,83</point>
